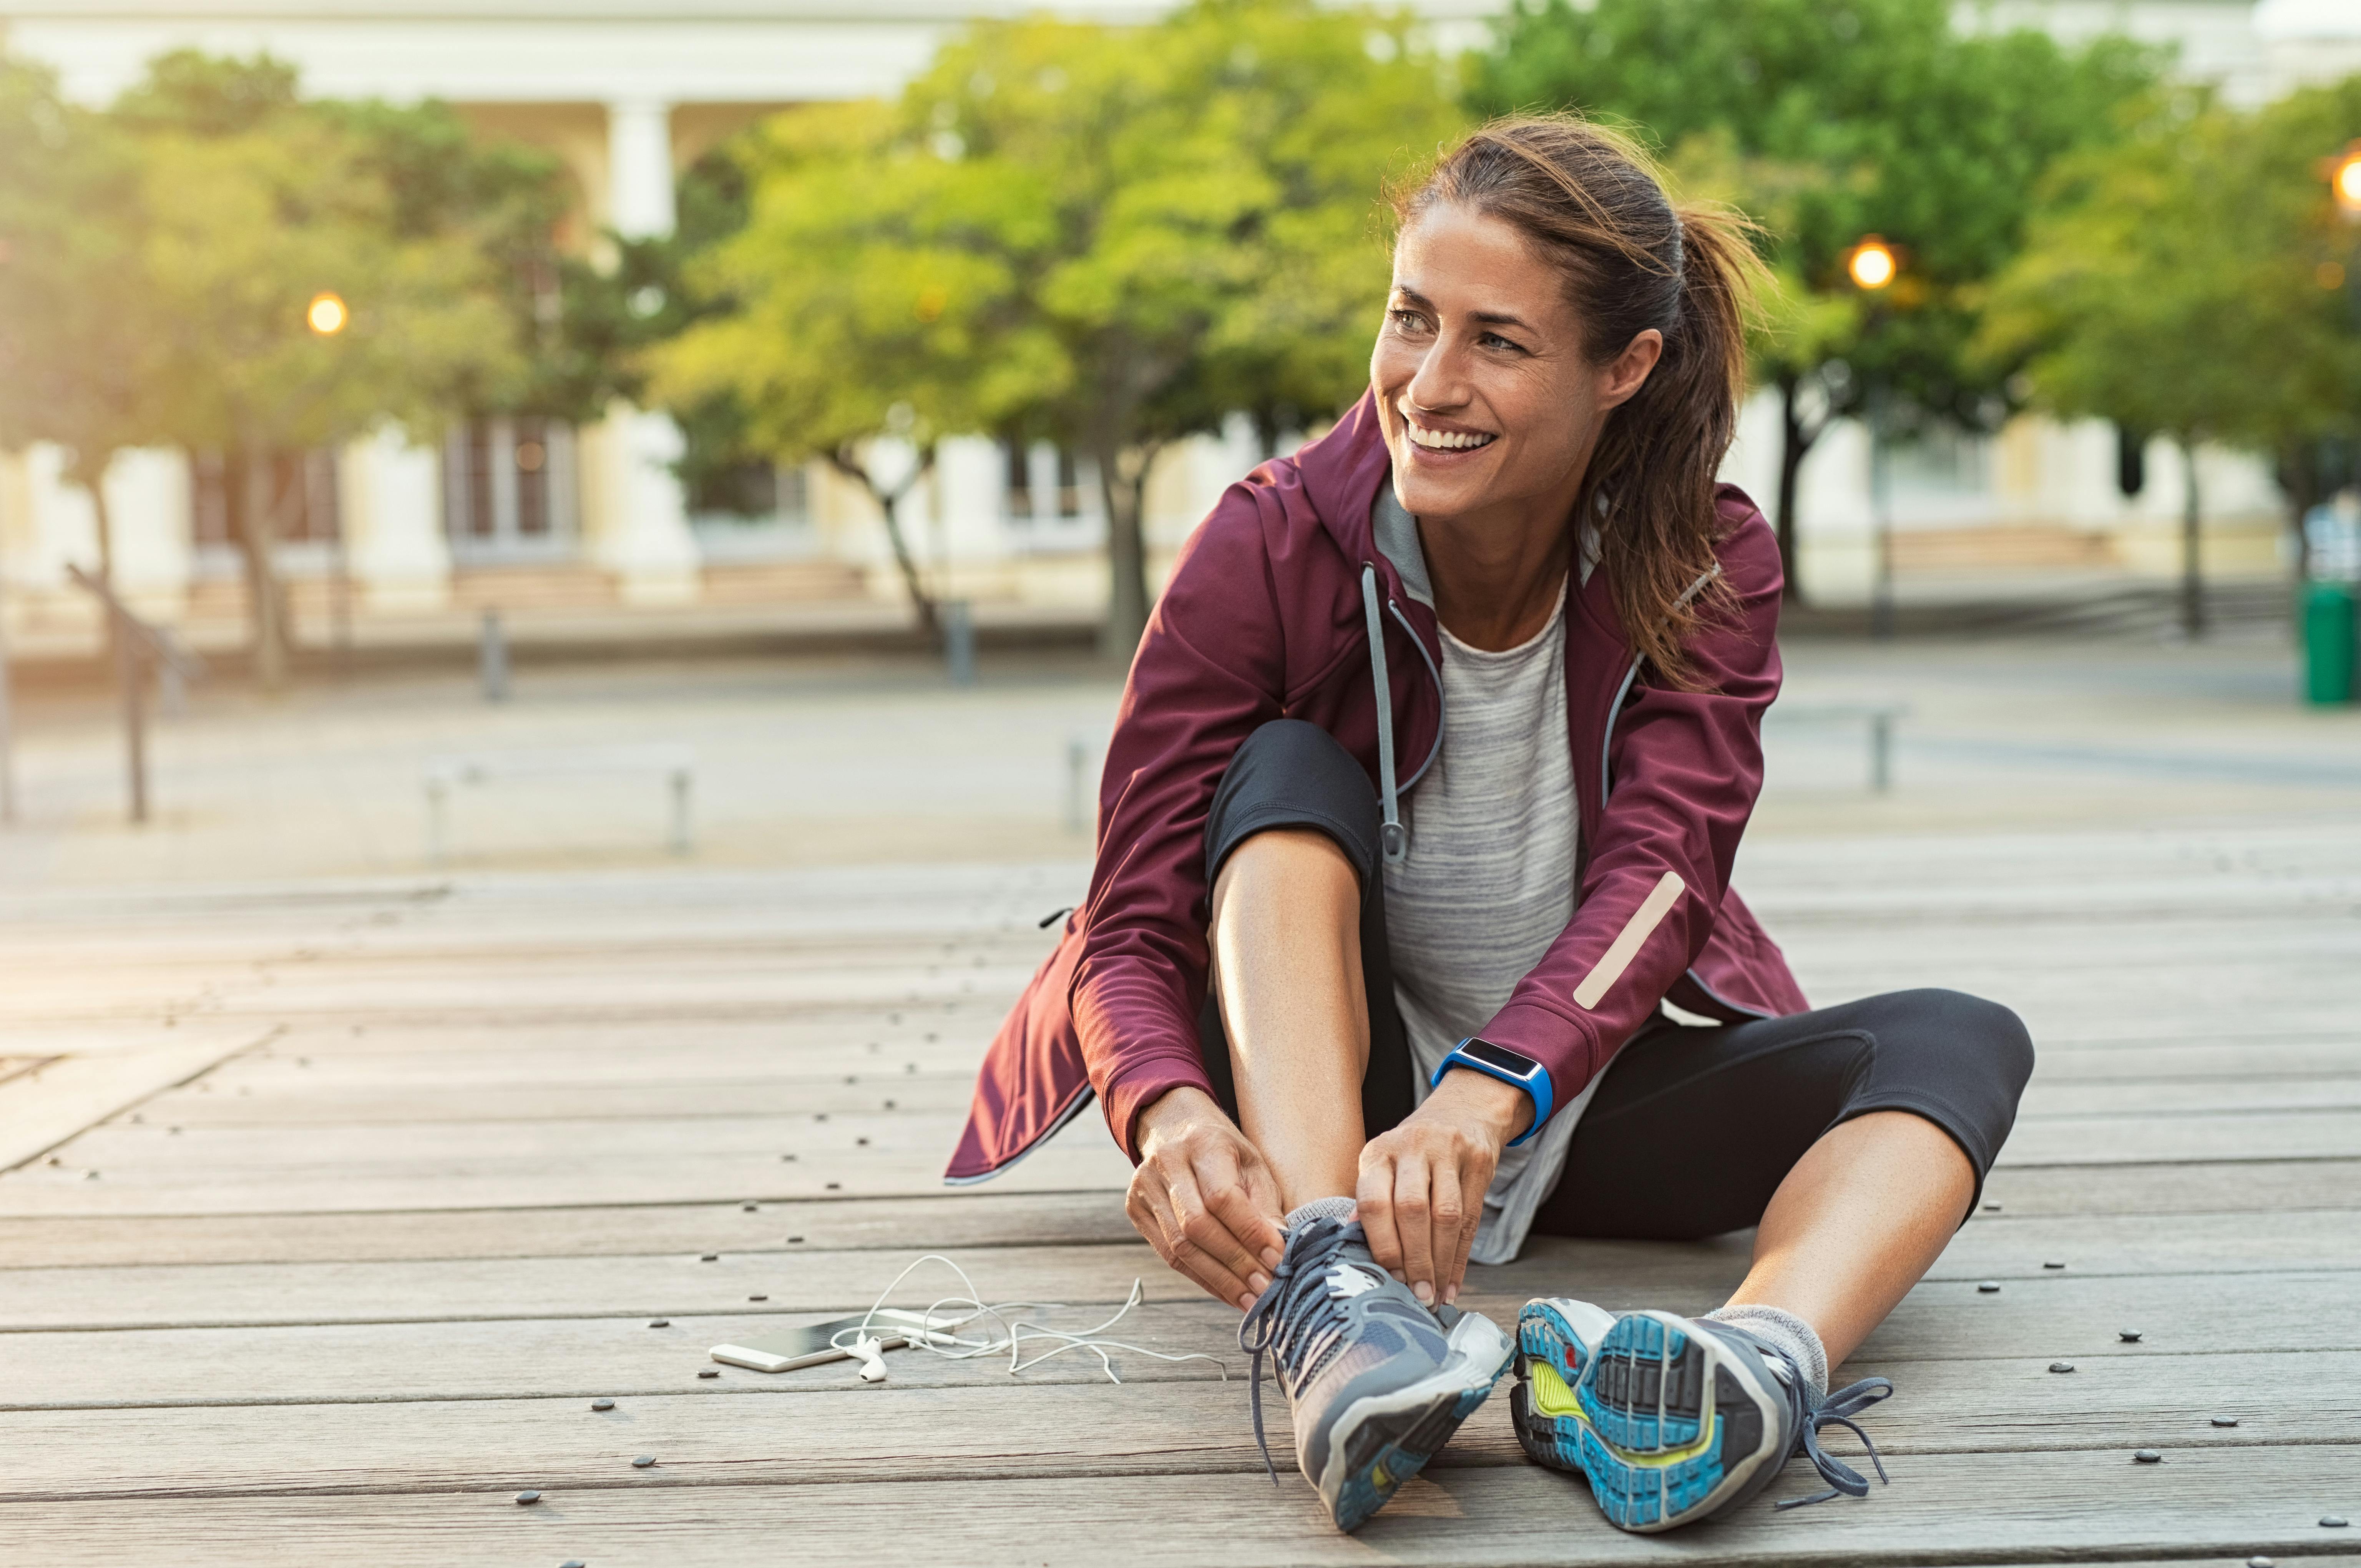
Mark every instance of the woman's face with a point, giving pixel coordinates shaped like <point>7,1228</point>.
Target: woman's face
<point>1486,397</point>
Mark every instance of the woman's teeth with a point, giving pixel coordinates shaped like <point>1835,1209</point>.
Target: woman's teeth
<point>1445,440</point>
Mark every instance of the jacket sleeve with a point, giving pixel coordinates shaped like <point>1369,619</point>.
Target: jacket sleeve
<point>1687,767</point>
<point>1208,672</point>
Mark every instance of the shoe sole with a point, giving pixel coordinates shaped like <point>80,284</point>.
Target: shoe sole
<point>1552,1340</point>
<point>1382,1441</point>
<point>1675,1425</point>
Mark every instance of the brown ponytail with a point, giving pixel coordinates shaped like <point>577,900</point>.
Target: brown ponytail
<point>1591,200</point>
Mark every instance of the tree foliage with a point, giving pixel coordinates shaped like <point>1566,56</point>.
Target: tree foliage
<point>1108,238</point>
<point>2191,281</point>
<point>1829,122</point>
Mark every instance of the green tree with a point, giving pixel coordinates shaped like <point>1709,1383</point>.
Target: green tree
<point>2189,282</point>
<point>1856,118</point>
<point>253,205</point>
<point>1108,238</point>
<point>77,327</point>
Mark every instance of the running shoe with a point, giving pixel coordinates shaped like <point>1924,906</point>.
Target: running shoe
<point>1556,1337</point>
<point>1377,1382</point>
<point>1681,1418</point>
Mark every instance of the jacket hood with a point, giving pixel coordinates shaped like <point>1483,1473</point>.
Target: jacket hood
<point>1342,472</point>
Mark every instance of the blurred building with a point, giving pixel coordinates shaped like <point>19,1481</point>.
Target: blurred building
<point>398,542</point>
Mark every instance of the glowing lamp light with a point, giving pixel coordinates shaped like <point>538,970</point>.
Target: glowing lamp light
<point>1872,264</point>
<point>327,314</point>
<point>2345,178</point>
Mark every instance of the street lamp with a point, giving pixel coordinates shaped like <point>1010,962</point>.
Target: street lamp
<point>327,314</point>
<point>2344,180</point>
<point>1872,265</point>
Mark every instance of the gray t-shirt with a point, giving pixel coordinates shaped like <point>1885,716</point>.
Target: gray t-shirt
<point>1487,883</point>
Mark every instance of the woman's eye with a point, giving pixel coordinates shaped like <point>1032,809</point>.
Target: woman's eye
<point>1494,340</point>
<point>1408,321</point>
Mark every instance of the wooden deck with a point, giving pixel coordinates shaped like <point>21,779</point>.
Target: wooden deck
<point>335,1206</point>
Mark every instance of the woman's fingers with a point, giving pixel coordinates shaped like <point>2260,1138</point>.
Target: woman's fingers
<point>1373,1205</point>
<point>1224,1216</point>
<point>1414,1221</point>
<point>1250,1241</point>
<point>1449,1223</point>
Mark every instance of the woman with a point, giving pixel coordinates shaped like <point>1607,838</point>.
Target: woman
<point>1422,798</point>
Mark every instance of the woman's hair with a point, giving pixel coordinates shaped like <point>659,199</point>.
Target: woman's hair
<point>1589,199</point>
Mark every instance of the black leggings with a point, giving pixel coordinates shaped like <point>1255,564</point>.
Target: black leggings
<point>1693,1127</point>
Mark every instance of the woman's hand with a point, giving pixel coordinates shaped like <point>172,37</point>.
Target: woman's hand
<point>1205,1199</point>
<point>1422,1184</point>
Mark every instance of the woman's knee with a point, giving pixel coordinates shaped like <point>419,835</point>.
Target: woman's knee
<point>1961,1032</point>
<point>1289,775</point>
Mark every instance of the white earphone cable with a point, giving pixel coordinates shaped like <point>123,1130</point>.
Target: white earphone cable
<point>1014,1331</point>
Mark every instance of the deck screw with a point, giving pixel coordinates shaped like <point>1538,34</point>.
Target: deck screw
<point>819,1116</point>
<point>525,1499</point>
<point>602,1403</point>
<point>1991,1208</point>
<point>2225,1421</point>
<point>573,1562</point>
<point>2053,1266</point>
<point>750,1208</point>
<point>2061,1366</point>
<point>793,1240</point>
<point>1988,1287</point>
<point>708,1372</point>
<point>708,1257</point>
<point>2129,1336</point>
<point>758,1298</point>
<point>2147,1456</point>
<point>889,1105</point>
<point>836,1187</point>
<point>643,1461</point>
<point>659,1322</point>
<point>788,1158</point>
<point>863,1142</point>
<point>909,1066</point>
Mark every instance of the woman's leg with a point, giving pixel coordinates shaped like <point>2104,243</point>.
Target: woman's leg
<point>1864,1214</point>
<point>1286,979</point>
<point>1855,1137</point>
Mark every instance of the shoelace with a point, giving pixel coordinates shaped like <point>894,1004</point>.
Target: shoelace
<point>1295,1318</point>
<point>1813,1412</point>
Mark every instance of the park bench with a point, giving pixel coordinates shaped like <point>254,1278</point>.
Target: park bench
<point>676,764</point>
<point>1879,717</point>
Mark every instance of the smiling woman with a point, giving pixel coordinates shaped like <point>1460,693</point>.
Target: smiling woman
<point>1370,995</point>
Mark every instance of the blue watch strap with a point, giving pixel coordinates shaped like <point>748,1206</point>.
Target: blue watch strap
<point>1535,1084</point>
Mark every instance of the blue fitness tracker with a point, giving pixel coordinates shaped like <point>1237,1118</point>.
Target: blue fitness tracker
<point>1509,1067</point>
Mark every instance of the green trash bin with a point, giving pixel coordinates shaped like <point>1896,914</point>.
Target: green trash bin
<point>2328,641</point>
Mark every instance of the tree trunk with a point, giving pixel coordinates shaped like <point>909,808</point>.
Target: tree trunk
<point>1124,496</point>
<point>257,528</point>
<point>2192,579</point>
<point>1796,441</point>
<point>92,477</point>
<point>889,502</point>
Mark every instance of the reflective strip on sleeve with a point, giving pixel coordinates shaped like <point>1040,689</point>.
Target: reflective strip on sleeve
<point>1630,940</point>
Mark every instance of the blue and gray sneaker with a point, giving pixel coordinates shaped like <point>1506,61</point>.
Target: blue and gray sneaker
<point>1556,1337</point>
<point>1673,1420</point>
<point>1377,1382</point>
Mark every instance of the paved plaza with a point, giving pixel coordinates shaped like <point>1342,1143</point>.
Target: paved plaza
<point>338,1184</point>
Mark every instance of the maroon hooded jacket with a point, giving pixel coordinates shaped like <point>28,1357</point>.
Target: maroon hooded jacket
<point>1270,614</point>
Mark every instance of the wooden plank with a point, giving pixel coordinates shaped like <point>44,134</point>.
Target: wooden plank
<point>47,1106</point>
<point>979,1217</point>
<point>2226,1502</point>
<point>2108,1140</point>
<point>830,1430</point>
<point>809,1278</point>
<point>2193,1188</point>
<point>513,1357</point>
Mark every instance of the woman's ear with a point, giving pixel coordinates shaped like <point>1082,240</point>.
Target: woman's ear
<point>1627,371</point>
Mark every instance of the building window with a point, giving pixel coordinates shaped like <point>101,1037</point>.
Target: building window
<point>1044,484</point>
<point>298,489</point>
<point>509,489</point>
<point>1017,475</point>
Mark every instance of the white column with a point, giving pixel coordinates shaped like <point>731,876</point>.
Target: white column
<point>970,471</point>
<point>390,492</point>
<point>634,514</point>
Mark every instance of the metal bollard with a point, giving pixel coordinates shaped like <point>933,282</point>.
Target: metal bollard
<point>959,640</point>
<point>492,659</point>
<point>1078,757</point>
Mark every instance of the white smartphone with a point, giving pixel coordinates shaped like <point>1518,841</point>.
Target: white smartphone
<point>812,1343</point>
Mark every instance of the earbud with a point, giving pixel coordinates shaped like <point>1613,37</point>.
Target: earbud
<point>871,1357</point>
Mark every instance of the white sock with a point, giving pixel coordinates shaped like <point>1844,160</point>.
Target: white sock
<point>1787,1331</point>
<point>1321,1209</point>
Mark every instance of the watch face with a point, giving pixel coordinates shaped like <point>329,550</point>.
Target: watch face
<point>1507,1060</point>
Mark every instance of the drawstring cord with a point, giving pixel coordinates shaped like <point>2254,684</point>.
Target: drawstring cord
<point>1391,836</point>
